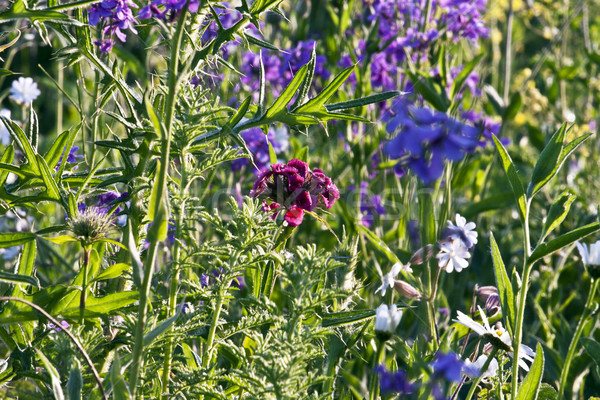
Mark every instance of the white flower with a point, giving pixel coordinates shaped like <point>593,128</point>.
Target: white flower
<point>453,255</point>
<point>463,231</point>
<point>24,90</point>
<point>498,336</point>
<point>473,369</point>
<point>389,279</point>
<point>591,257</point>
<point>4,134</point>
<point>387,318</point>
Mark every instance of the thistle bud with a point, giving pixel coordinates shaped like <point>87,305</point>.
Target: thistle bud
<point>91,225</point>
<point>406,290</point>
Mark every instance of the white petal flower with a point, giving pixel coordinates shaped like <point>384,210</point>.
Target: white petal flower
<point>473,369</point>
<point>453,255</point>
<point>4,134</point>
<point>591,256</point>
<point>24,90</point>
<point>387,318</point>
<point>464,231</point>
<point>389,279</point>
<point>498,336</point>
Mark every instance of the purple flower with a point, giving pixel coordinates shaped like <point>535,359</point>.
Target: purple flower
<point>447,366</point>
<point>167,8</point>
<point>393,382</point>
<point>71,157</point>
<point>115,15</point>
<point>369,205</point>
<point>294,188</point>
<point>63,324</point>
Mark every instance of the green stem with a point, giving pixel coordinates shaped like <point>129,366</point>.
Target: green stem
<point>374,383</point>
<point>483,370</point>
<point>159,210</point>
<point>575,340</point>
<point>174,287</point>
<point>518,330</point>
<point>213,329</point>
<point>83,297</point>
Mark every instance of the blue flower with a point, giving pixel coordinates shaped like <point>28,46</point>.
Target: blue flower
<point>447,366</point>
<point>393,382</point>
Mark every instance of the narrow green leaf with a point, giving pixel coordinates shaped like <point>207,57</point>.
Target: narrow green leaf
<point>54,376</point>
<point>256,41</point>
<point>363,101</point>
<point>126,146</point>
<point>516,102</point>
<point>558,212</point>
<point>120,388</point>
<point>459,80</point>
<point>432,92</point>
<point>505,290</point>
<point>62,239</point>
<point>75,382</point>
<point>7,159</point>
<point>19,11</point>
<point>160,329</point>
<point>592,348</point>
<point>21,139</point>
<point>15,239</point>
<point>379,244</point>
<point>531,385</point>
<point>52,189</point>
<point>558,243</point>
<point>513,178</point>
<point>345,317</point>
<point>158,125</point>
<point>114,271</point>
<point>239,114</point>
<point>16,278</point>
<point>306,82</point>
<point>101,306</point>
<point>548,163</point>
<point>287,95</point>
<point>59,147</point>
<point>318,102</point>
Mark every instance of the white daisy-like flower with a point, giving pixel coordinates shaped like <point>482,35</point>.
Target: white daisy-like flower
<point>463,230</point>
<point>473,369</point>
<point>387,318</point>
<point>5,137</point>
<point>389,279</point>
<point>453,255</point>
<point>498,336</point>
<point>591,256</point>
<point>24,90</point>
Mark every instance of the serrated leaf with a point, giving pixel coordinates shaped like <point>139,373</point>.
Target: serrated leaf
<point>286,96</point>
<point>345,317</point>
<point>513,178</point>
<point>558,212</point>
<point>531,385</point>
<point>558,243</point>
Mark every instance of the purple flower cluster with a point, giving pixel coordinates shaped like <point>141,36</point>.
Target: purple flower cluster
<point>72,157</point>
<point>369,205</point>
<point>426,139</point>
<point>279,69</point>
<point>116,15</point>
<point>257,143</point>
<point>464,19</point>
<point>294,188</point>
<point>167,9</point>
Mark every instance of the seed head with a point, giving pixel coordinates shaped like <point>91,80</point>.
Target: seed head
<point>91,225</point>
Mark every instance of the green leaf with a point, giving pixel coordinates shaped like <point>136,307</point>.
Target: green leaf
<point>459,80</point>
<point>531,385</point>
<point>552,158</point>
<point>21,139</point>
<point>558,212</point>
<point>15,239</point>
<point>592,348</point>
<point>558,243</point>
<point>239,114</point>
<point>316,104</point>
<point>306,82</point>
<point>19,10</point>
<point>17,278</point>
<point>345,317</point>
<point>363,101</point>
<point>52,189</point>
<point>286,96</point>
<point>120,388</point>
<point>513,107</point>
<point>75,382</point>
<point>432,92</point>
<point>7,159</point>
<point>54,376</point>
<point>114,271</point>
<point>513,178</point>
<point>379,244</point>
<point>259,42</point>
<point>160,329</point>
<point>101,306</point>
<point>62,239</point>
<point>505,290</point>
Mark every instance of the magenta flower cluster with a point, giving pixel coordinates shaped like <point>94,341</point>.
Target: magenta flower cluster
<point>117,16</point>
<point>294,188</point>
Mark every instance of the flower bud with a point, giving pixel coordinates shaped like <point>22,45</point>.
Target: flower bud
<point>492,304</point>
<point>422,255</point>
<point>406,290</point>
<point>386,321</point>
<point>484,292</point>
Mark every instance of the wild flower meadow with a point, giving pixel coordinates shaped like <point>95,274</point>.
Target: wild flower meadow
<point>273,199</point>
